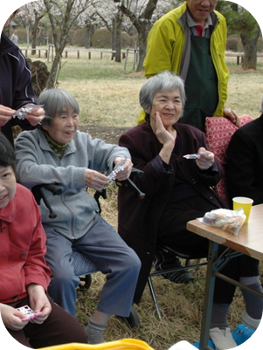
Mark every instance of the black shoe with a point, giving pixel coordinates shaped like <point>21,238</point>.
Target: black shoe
<point>180,277</point>
<point>165,260</point>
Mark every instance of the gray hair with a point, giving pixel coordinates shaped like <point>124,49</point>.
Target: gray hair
<point>261,107</point>
<point>162,81</point>
<point>54,102</point>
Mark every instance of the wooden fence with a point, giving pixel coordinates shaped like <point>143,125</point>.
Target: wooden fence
<point>49,53</point>
<point>239,56</point>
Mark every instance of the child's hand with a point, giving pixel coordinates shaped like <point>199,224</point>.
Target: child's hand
<point>12,318</point>
<point>39,303</point>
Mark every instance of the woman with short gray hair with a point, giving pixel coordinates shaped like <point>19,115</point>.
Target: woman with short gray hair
<point>56,101</point>
<point>179,173</point>
<point>160,82</point>
<point>57,152</point>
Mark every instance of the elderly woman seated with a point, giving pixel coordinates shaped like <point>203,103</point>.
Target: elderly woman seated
<point>57,152</point>
<point>177,190</point>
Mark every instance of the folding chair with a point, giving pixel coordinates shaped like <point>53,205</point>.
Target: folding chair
<point>186,266</point>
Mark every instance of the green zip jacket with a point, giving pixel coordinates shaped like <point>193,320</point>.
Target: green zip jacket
<point>169,49</point>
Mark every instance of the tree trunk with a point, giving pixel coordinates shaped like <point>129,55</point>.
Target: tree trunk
<point>250,50</point>
<point>142,37</point>
<point>27,35</point>
<point>118,36</point>
<point>34,38</point>
<point>35,31</point>
<point>34,41</point>
<point>113,36</point>
<point>142,25</point>
<point>89,32</point>
<point>52,79</point>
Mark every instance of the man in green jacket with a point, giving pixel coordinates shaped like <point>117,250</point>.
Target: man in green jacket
<point>190,41</point>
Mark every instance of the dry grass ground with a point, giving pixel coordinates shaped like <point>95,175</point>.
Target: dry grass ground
<point>108,96</point>
<point>181,305</point>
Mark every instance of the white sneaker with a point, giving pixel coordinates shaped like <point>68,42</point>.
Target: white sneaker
<point>249,321</point>
<point>222,338</point>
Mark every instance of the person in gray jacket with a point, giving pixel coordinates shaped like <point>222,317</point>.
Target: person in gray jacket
<point>57,152</point>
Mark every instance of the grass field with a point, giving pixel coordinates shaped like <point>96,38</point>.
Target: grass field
<point>108,96</point>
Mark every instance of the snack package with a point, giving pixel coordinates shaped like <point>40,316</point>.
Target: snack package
<point>22,112</point>
<point>28,312</point>
<point>225,219</point>
<point>118,167</point>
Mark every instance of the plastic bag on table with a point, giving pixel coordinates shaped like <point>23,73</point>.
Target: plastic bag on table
<point>225,219</point>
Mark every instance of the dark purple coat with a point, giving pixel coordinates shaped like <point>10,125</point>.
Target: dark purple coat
<point>15,83</point>
<point>138,219</point>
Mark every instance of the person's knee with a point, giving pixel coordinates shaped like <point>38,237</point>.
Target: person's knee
<point>63,278</point>
<point>132,263</point>
<point>137,262</point>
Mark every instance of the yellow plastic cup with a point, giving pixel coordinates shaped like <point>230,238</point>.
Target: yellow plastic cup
<point>245,203</point>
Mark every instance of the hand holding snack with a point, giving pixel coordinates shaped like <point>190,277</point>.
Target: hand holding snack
<point>23,112</point>
<point>28,313</point>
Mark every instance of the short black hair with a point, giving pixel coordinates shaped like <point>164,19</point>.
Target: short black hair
<point>7,153</point>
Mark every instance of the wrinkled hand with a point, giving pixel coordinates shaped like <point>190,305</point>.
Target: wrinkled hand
<point>95,180</point>
<point>39,302</point>
<point>206,159</point>
<point>6,114</point>
<point>126,172</point>
<point>12,318</point>
<point>232,115</point>
<point>36,116</point>
<point>163,135</point>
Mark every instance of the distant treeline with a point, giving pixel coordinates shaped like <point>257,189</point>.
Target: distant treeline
<point>101,38</point>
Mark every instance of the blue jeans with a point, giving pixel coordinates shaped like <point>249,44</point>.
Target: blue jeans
<point>112,256</point>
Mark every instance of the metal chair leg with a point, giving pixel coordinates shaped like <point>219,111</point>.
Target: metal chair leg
<point>154,297</point>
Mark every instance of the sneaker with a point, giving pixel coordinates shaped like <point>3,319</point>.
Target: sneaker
<point>249,321</point>
<point>222,338</point>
